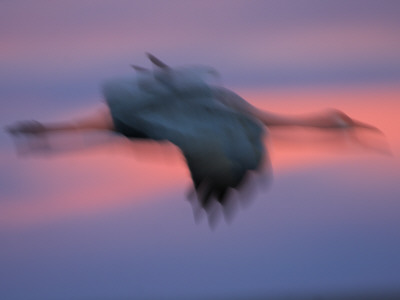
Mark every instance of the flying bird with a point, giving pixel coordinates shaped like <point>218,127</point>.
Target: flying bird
<point>218,132</point>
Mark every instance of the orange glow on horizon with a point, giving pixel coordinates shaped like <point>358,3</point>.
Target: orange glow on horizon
<point>98,180</point>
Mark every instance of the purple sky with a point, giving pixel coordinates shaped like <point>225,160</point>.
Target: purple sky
<point>108,225</point>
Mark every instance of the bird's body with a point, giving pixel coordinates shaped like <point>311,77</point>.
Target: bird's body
<point>220,143</point>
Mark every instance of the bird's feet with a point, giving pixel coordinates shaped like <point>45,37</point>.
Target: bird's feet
<point>26,127</point>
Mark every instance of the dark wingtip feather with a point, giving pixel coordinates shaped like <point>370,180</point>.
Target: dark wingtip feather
<point>156,61</point>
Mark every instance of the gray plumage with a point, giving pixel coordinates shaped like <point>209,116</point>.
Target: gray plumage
<point>220,143</point>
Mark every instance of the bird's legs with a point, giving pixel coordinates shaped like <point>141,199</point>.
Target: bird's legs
<point>101,120</point>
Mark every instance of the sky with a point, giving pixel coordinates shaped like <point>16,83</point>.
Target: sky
<point>112,222</point>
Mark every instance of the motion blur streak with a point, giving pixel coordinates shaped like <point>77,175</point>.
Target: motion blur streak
<point>92,225</point>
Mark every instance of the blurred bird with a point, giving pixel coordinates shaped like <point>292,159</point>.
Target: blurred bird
<point>219,133</point>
